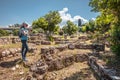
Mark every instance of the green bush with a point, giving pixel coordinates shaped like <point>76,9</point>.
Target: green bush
<point>115,40</point>
<point>116,49</point>
<point>50,38</point>
<point>3,33</point>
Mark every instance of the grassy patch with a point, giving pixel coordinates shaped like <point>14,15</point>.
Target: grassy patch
<point>17,45</point>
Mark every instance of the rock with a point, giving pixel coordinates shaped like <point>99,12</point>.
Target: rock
<point>51,65</point>
<point>40,63</point>
<point>32,49</point>
<point>21,73</point>
<point>33,68</point>
<point>12,51</point>
<point>29,78</point>
<point>53,50</point>
<point>4,54</point>
<point>42,69</point>
<point>62,47</point>
<point>47,57</point>
<point>17,66</point>
<point>80,58</point>
<point>13,68</point>
<point>56,64</point>
<point>68,60</point>
<point>45,43</point>
<point>40,77</point>
<point>98,47</point>
<point>71,46</point>
<point>22,78</point>
<point>115,77</point>
<point>44,50</point>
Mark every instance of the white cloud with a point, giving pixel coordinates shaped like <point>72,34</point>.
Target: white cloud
<point>93,19</point>
<point>65,16</point>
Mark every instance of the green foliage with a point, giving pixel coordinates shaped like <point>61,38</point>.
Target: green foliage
<point>56,30</point>
<point>48,22</point>
<point>34,31</point>
<point>51,38</point>
<point>40,23</point>
<point>83,29</point>
<point>37,30</point>
<point>115,39</point>
<point>53,18</point>
<point>70,28</point>
<point>89,27</point>
<point>3,33</point>
<point>15,32</point>
<point>109,20</point>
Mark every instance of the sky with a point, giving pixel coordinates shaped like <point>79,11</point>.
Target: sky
<point>19,11</point>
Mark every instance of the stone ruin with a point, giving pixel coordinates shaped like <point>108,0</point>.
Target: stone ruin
<point>42,66</point>
<point>4,41</point>
<point>83,38</point>
<point>45,43</point>
<point>104,72</point>
<point>51,60</point>
<point>12,52</point>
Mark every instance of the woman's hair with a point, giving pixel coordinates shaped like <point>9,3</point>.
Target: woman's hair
<point>22,27</point>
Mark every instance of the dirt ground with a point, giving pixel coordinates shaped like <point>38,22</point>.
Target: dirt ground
<point>14,69</point>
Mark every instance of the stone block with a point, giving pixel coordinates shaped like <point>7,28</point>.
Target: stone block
<point>80,58</point>
<point>68,60</point>
<point>44,50</point>
<point>71,46</point>
<point>45,43</point>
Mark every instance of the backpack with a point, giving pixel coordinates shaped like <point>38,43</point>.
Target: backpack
<point>20,33</point>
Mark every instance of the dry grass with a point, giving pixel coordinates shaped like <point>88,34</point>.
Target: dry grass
<point>17,45</point>
<point>77,71</point>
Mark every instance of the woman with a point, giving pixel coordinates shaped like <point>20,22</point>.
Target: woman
<point>24,38</point>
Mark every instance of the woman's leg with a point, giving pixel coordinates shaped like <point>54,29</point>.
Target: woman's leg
<point>23,49</point>
<point>26,49</point>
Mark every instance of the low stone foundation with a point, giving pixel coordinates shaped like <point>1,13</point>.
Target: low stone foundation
<point>101,70</point>
<point>45,43</point>
<point>4,41</point>
<point>12,52</point>
<point>42,66</point>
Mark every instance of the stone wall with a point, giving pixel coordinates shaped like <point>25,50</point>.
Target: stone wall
<point>72,46</point>
<point>104,72</point>
<point>83,38</point>
<point>42,66</point>
<point>12,52</point>
<point>9,40</point>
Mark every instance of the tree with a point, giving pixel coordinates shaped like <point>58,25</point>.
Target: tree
<point>88,27</point>
<point>57,29</point>
<point>70,28</point>
<point>53,18</point>
<point>109,20</point>
<point>49,22</point>
<point>40,23</point>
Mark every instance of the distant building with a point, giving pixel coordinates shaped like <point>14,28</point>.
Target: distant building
<point>79,22</point>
